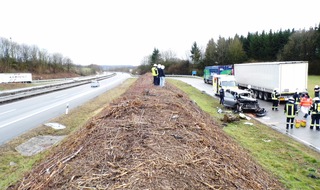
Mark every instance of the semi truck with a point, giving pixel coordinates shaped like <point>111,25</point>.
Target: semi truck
<point>209,71</point>
<point>15,77</point>
<point>263,78</point>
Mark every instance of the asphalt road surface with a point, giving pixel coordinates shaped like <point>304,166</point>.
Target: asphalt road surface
<point>274,119</point>
<point>18,117</point>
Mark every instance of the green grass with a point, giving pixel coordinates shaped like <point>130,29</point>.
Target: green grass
<point>291,162</point>
<point>312,81</point>
<point>10,174</point>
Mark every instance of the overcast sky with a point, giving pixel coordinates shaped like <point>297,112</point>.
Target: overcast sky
<point>123,32</point>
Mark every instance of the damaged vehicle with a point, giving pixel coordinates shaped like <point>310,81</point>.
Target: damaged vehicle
<point>242,101</point>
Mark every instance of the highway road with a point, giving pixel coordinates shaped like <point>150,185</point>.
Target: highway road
<point>18,117</point>
<point>274,119</point>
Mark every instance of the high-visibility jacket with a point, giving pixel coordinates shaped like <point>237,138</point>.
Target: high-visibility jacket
<point>290,109</point>
<point>154,71</point>
<point>315,108</point>
<point>274,96</point>
<point>306,102</point>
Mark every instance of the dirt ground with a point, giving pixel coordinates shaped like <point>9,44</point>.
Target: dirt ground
<point>149,138</point>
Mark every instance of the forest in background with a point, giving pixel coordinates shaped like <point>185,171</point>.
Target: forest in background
<point>16,57</point>
<point>287,45</point>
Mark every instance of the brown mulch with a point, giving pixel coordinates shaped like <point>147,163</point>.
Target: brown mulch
<point>150,138</point>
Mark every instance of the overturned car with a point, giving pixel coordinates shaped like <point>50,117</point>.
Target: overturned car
<point>242,101</point>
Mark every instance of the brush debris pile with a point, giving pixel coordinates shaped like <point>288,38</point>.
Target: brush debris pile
<point>149,138</point>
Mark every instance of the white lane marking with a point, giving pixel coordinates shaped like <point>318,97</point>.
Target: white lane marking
<point>50,107</point>
<point>62,95</point>
<point>7,111</point>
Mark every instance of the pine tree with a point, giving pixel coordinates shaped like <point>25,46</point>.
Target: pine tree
<point>195,53</point>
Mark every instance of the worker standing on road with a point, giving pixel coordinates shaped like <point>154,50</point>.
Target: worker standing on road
<point>290,111</point>
<point>315,114</point>
<point>317,91</point>
<point>305,104</point>
<point>275,99</point>
<point>155,74</point>
<point>221,94</point>
<point>296,98</point>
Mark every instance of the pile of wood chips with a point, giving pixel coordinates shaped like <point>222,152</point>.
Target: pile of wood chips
<point>150,138</point>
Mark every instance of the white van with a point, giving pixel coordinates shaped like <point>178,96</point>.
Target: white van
<point>225,81</point>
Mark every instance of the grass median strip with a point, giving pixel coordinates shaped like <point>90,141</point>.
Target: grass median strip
<point>13,165</point>
<point>296,166</point>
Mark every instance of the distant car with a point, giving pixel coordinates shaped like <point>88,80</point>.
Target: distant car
<point>242,101</point>
<point>95,83</point>
<point>76,79</point>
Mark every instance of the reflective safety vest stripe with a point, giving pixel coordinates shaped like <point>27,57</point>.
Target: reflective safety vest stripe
<point>290,110</point>
<point>273,96</point>
<point>316,108</point>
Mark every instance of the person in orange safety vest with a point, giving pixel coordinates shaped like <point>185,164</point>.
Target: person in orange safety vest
<point>305,104</point>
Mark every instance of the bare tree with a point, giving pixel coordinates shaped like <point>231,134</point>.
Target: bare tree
<point>56,62</point>
<point>168,55</point>
<point>5,55</point>
<point>25,53</point>
<point>43,61</point>
<point>68,63</point>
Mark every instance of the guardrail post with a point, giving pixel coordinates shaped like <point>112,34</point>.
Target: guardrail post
<point>67,109</point>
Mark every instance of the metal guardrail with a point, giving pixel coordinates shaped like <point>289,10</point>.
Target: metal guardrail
<point>185,76</point>
<point>52,80</point>
<point>12,95</point>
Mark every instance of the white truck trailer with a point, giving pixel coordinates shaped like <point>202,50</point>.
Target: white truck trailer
<point>287,77</point>
<point>15,77</point>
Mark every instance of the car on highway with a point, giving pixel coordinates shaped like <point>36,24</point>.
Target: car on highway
<point>242,101</point>
<point>95,83</point>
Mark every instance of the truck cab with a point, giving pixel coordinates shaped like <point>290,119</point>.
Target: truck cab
<point>210,71</point>
<point>224,81</point>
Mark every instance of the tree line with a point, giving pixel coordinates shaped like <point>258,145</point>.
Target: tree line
<point>287,45</point>
<point>16,57</point>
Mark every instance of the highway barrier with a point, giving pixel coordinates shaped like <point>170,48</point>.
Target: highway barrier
<point>12,95</point>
